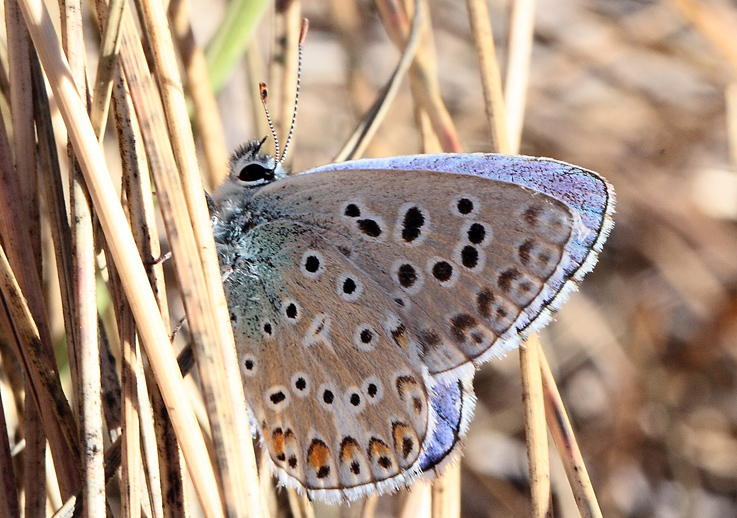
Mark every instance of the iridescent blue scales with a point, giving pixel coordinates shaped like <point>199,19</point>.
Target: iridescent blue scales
<point>363,295</point>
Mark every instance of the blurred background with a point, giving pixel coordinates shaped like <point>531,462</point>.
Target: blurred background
<point>645,354</point>
<point>643,92</point>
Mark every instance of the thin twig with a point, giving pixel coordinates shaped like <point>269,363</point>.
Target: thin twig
<point>446,493</point>
<point>565,442</point>
<point>206,113</point>
<point>192,242</point>
<point>106,67</point>
<point>425,86</point>
<point>536,433</point>
<point>519,51</point>
<point>9,497</point>
<point>483,43</point>
<point>366,129</point>
<point>123,248</point>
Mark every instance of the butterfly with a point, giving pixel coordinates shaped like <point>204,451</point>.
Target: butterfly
<point>363,296</point>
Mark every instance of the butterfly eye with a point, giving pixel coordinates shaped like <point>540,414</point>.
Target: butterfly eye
<point>254,172</point>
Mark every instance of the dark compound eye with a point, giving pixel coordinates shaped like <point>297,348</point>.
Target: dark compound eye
<point>254,172</point>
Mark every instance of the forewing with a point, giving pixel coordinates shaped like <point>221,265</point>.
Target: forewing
<point>469,260</point>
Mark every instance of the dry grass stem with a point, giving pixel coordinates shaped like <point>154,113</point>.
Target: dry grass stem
<point>149,437</point>
<point>8,495</point>
<point>417,501</point>
<point>132,484</point>
<point>483,44</point>
<point>106,67</point>
<point>565,442</point>
<point>55,414</point>
<point>361,137</point>
<point>87,387</point>
<point>368,509</point>
<point>18,232</point>
<point>138,194</point>
<point>21,104</point>
<point>205,109</point>
<point>536,432</point>
<point>4,81</point>
<point>70,508</point>
<point>425,89</point>
<point>31,338</point>
<point>122,246</point>
<point>34,459</point>
<point>446,493</point>
<point>52,192</point>
<point>519,51</point>
<point>293,501</point>
<point>204,299</point>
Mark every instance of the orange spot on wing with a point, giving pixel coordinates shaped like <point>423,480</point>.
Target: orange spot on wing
<point>277,441</point>
<point>349,449</point>
<point>318,454</point>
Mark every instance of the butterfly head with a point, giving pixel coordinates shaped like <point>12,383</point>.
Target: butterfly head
<point>251,168</point>
<point>229,206</point>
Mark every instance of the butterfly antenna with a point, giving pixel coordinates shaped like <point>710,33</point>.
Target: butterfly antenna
<point>302,37</point>
<point>264,94</point>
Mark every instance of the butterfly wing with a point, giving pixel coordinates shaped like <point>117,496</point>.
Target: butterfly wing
<point>363,294</point>
<point>473,251</point>
<point>453,404</point>
<point>338,395</point>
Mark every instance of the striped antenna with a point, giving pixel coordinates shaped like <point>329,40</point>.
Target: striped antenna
<point>302,37</point>
<point>264,94</point>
